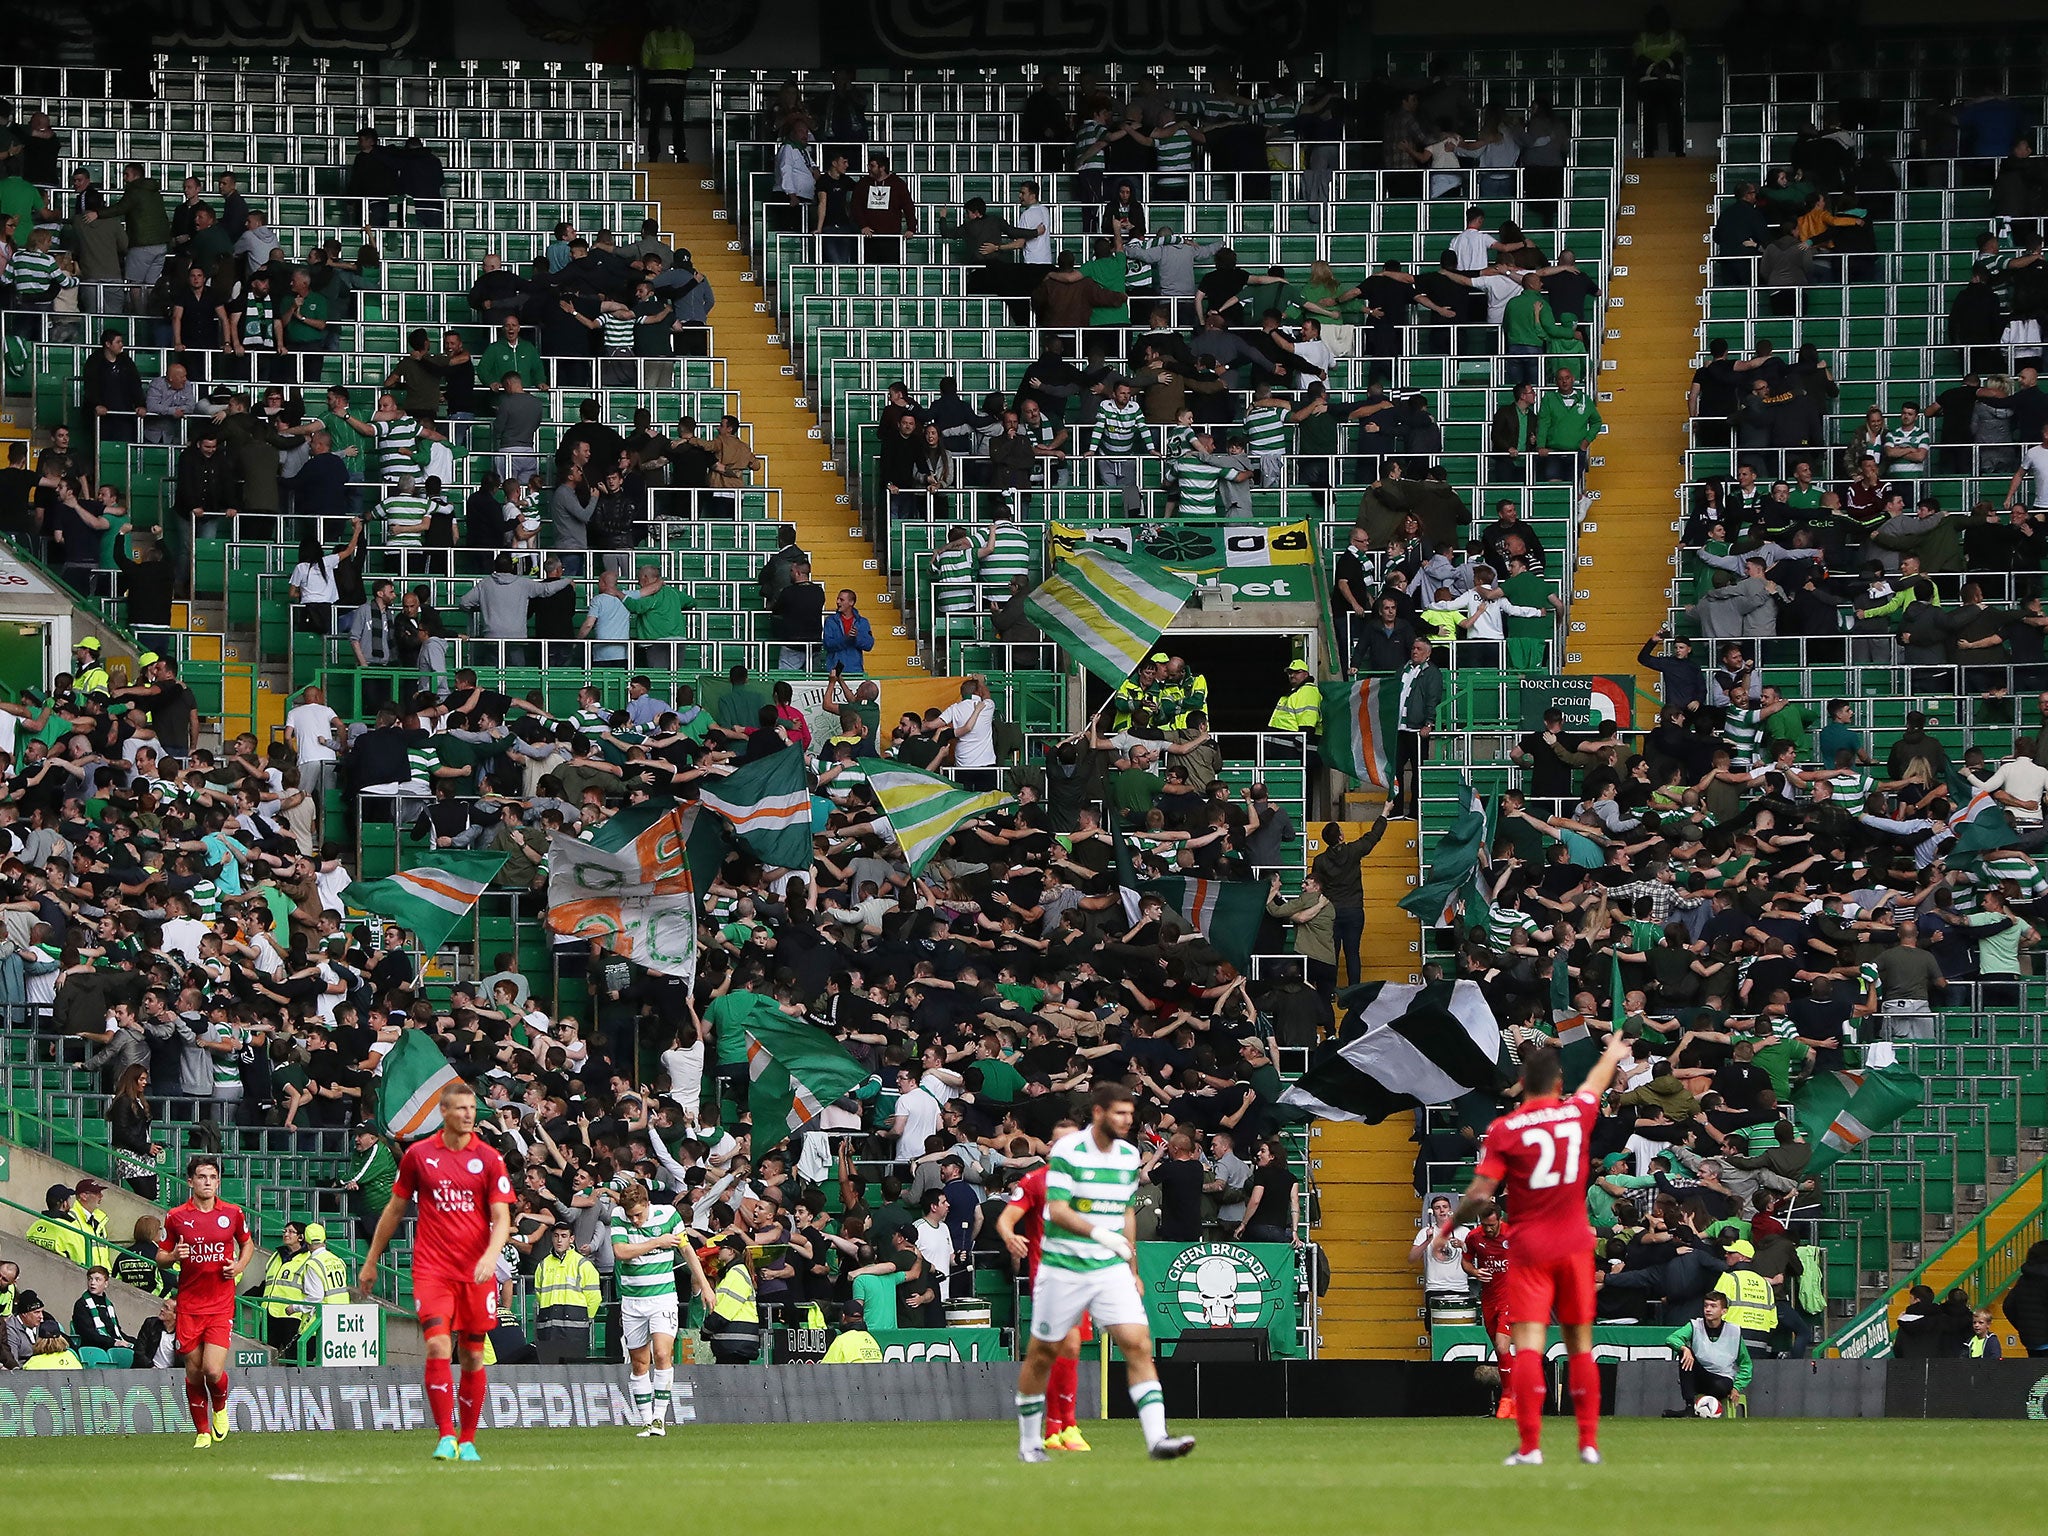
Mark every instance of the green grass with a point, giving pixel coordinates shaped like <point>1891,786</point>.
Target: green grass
<point>1309,1477</point>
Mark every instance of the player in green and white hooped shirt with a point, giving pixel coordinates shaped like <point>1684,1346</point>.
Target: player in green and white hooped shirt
<point>1089,1265</point>
<point>645,1239</point>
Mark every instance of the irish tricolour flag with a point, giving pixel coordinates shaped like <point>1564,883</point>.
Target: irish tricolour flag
<point>768,803</point>
<point>409,1083</point>
<point>1839,1111</point>
<point>1360,722</point>
<point>431,899</point>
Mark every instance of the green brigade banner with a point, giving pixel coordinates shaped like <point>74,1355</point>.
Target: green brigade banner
<point>1611,1343</point>
<point>1190,1286</point>
<point>1259,563</point>
<point>1588,702</point>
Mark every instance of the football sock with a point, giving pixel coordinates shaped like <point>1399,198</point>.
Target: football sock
<point>643,1398</point>
<point>471,1397</point>
<point>441,1394</point>
<point>1059,1395</point>
<point>664,1383</point>
<point>1150,1401</point>
<point>1527,1381</point>
<point>1030,1422</point>
<point>217,1391</point>
<point>197,1400</point>
<point>1585,1380</point>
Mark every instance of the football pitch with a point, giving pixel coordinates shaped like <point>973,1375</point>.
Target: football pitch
<point>1309,1476</point>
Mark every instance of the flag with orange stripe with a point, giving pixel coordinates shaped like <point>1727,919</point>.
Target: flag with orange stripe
<point>432,899</point>
<point>1361,722</point>
<point>768,803</point>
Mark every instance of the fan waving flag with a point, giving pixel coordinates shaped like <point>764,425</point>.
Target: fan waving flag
<point>1106,607</point>
<point>629,887</point>
<point>409,1083</point>
<point>1361,722</point>
<point>796,1069</point>
<point>430,899</point>
<point>1451,886</point>
<point>922,809</point>
<point>1839,1111</point>
<point>769,805</point>
<point>1418,1045</point>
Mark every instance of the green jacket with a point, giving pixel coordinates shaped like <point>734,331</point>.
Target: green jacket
<point>660,616</point>
<point>1567,424</point>
<point>1528,322</point>
<point>1315,938</point>
<point>1694,1334</point>
<point>499,360</point>
<point>141,207</point>
<point>375,1175</point>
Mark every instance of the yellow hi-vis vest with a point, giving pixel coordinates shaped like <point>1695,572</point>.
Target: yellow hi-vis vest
<point>1751,1305</point>
<point>668,51</point>
<point>333,1275</point>
<point>1298,710</point>
<point>284,1291</point>
<point>565,1291</point>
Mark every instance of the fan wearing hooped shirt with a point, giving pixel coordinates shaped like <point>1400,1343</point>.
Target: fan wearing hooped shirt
<point>464,1200</point>
<point>1022,1229</point>
<point>209,1243</point>
<point>1542,1153</point>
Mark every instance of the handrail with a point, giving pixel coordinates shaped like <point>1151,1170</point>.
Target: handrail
<point>1988,1265</point>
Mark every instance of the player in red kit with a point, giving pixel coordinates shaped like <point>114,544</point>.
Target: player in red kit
<point>209,1242</point>
<point>464,1198</point>
<point>1022,1229</point>
<point>1542,1153</point>
<point>1485,1259</point>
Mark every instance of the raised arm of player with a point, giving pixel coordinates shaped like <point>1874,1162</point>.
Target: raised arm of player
<point>387,1228</point>
<point>1602,1076</point>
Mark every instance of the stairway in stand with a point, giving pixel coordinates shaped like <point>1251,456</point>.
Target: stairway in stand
<point>1364,1173</point>
<point>783,431</point>
<point>1653,318</point>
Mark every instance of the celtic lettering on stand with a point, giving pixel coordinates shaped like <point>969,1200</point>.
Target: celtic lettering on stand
<point>359,24</point>
<point>1043,29</point>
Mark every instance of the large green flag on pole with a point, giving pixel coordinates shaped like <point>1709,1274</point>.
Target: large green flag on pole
<point>768,803</point>
<point>796,1069</point>
<point>1839,1111</point>
<point>1106,607</point>
<point>1454,865</point>
<point>409,1083</point>
<point>429,899</point>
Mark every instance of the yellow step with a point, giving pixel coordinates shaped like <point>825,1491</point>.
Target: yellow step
<point>754,363</point>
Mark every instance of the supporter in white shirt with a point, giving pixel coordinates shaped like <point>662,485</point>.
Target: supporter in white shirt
<point>1472,246</point>
<point>916,1118</point>
<point>2025,780</point>
<point>1499,288</point>
<point>2035,462</point>
<point>1034,215</point>
<point>972,722</point>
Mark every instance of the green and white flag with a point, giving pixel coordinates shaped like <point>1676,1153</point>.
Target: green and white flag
<point>1838,1111</point>
<point>1451,892</point>
<point>1361,721</point>
<point>1404,1046</point>
<point>769,805</point>
<point>629,887</point>
<point>1107,607</point>
<point>430,899</point>
<point>409,1083</point>
<point>796,1069</point>
<point>923,809</point>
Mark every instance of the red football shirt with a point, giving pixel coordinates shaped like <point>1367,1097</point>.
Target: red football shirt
<point>1030,1194</point>
<point>453,1190</point>
<point>1541,1154</point>
<point>1484,1251</point>
<point>214,1239</point>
